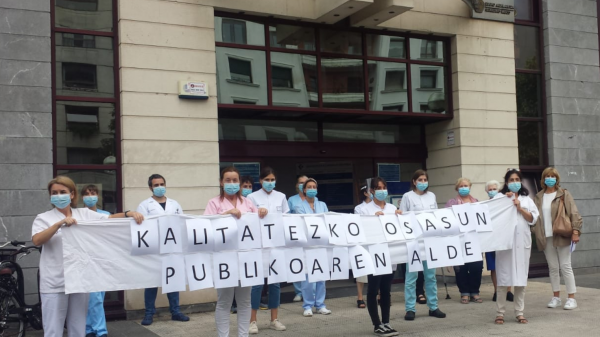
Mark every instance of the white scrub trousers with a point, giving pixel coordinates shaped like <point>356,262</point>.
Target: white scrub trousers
<point>56,307</point>
<point>222,312</point>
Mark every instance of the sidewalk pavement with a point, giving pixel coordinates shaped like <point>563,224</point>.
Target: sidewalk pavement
<point>463,319</point>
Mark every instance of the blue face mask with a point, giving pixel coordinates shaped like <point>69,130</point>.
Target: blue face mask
<point>550,181</point>
<point>492,193</point>
<point>246,191</point>
<point>514,187</point>
<point>300,187</point>
<point>90,200</point>
<point>311,193</point>
<point>268,185</point>
<point>60,200</point>
<point>159,191</point>
<point>422,186</point>
<point>231,188</point>
<point>381,195</point>
<point>371,196</point>
<point>464,191</point>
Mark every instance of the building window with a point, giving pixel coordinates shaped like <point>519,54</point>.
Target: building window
<point>78,40</point>
<point>394,80</point>
<point>240,70</point>
<point>428,49</point>
<point>282,77</point>
<point>78,5</point>
<point>234,31</point>
<point>397,48</point>
<point>355,85</point>
<point>428,79</point>
<point>399,107</point>
<point>79,75</point>
<point>424,108</point>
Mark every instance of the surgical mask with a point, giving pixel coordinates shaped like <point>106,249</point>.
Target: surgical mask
<point>268,185</point>
<point>231,188</point>
<point>60,200</point>
<point>464,191</point>
<point>492,193</point>
<point>422,186</point>
<point>550,182</point>
<point>159,191</point>
<point>90,200</point>
<point>300,187</point>
<point>311,193</point>
<point>514,187</point>
<point>246,191</point>
<point>381,195</point>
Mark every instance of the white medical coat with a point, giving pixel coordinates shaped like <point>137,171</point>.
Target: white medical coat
<point>152,207</point>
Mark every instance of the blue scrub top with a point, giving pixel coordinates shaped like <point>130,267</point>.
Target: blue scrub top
<point>102,211</point>
<point>293,202</point>
<point>304,207</point>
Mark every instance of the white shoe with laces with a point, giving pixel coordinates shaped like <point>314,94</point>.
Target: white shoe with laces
<point>554,302</point>
<point>308,313</point>
<point>324,311</point>
<point>253,328</point>
<point>571,304</point>
<point>276,325</point>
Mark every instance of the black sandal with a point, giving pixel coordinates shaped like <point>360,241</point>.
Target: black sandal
<point>421,299</point>
<point>360,304</point>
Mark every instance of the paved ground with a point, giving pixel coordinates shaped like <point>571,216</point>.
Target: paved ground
<point>463,320</point>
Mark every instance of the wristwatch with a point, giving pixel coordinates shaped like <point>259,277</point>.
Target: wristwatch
<point>126,213</point>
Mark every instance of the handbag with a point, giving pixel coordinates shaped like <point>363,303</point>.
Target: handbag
<point>562,226</point>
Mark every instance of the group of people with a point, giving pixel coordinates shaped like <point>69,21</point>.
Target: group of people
<point>509,268</point>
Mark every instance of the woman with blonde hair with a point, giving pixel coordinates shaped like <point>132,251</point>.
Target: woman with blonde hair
<point>557,248</point>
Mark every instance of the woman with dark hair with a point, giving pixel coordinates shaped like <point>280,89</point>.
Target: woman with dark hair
<point>512,265</point>
<point>246,183</point>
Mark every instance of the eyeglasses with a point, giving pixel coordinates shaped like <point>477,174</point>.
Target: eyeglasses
<point>512,169</point>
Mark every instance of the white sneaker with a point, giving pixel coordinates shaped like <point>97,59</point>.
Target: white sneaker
<point>276,325</point>
<point>253,328</point>
<point>308,313</point>
<point>571,304</point>
<point>298,298</point>
<point>324,311</point>
<point>554,302</point>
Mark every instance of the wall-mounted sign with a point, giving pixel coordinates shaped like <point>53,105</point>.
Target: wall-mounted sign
<point>498,10</point>
<point>193,90</point>
<point>450,138</point>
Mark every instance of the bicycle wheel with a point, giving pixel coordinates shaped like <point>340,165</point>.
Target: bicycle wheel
<point>12,322</point>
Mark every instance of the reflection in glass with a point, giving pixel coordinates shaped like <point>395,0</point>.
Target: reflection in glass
<point>388,86</point>
<point>267,130</point>
<point>241,76</point>
<point>85,133</point>
<point>341,42</point>
<point>530,143</point>
<point>239,31</point>
<point>527,47</point>
<point>524,10</point>
<point>84,65</point>
<point>292,37</point>
<point>429,50</point>
<point>360,133</point>
<point>105,180</point>
<point>386,46</point>
<point>343,83</point>
<point>294,80</point>
<point>428,88</point>
<point>529,95</point>
<point>84,14</point>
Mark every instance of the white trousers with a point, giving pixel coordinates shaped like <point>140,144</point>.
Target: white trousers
<point>57,307</point>
<point>559,258</point>
<point>519,293</point>
<point>222,312</point>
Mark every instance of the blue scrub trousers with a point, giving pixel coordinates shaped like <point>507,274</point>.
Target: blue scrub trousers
<point>96,321</point>
<point>274,296</point>
<point>410,284</point>
<point>298,288</point>
<point>313,294</point>
<point>150,299</point>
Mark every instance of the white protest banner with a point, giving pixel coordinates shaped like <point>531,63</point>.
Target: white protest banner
<point>225,269</point>
<point>272,230</point>
<point>361,261</point>
<point>450,225</point>
<point>339,264</point>
<point>415,261</point>
<point>316,232</point>
<point>199,235</point>
<point>295,232</point>
<point>443,251</point>
<point>430,224</point>
<point>355,231</point>
<point>382,261</point>
<point>317,265</point>
<point>337,232</point>
<point>407,226</point>
<point>470,247</point>
<point>173,274</point>
<point>199,271</point>
<point>391,227</point>
<point>294,265</point>
<point>144,237</point>
<point>251,268</point>
<point>169,228</point>
<point>277,272</point>
<point>225,233</point>
<point>484,219</point>
<point>249,232</point>
<point>466,217</point>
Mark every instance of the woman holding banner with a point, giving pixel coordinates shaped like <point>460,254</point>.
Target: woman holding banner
<point>312,295</point>
<point>294,201</point>
<point>380,284</point>
<point>420,199</point>
<point>366,196</point>
<point>468,276</point>
<point>46,232</point>
<point>231,201</point>
<point>512,265</point>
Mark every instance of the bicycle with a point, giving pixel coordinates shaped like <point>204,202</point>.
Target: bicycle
<point>15,315</point>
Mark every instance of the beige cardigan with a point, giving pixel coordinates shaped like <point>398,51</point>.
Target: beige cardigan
<point>572,212</point>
